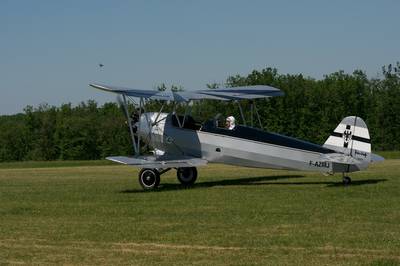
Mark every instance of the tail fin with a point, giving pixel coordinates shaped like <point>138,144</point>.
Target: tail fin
<point>351,137</point>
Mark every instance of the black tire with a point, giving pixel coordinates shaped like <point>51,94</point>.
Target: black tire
<point>186,175</point>
<point>149,178</point>
<point>346,180</point>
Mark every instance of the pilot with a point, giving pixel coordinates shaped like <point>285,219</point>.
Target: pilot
<point>230,122</point>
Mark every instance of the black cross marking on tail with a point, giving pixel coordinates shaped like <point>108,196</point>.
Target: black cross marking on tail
<point>347,136</point>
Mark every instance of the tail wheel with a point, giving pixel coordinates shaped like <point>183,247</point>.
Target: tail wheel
<point>149,178</point>
<point>187,175</point>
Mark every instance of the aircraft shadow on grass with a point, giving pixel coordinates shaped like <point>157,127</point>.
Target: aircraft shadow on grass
<point>256,181</point>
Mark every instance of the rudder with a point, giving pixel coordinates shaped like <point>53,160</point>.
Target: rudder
<point>351,137</point>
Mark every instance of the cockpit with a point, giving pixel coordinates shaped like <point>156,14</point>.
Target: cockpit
<point>188,122</point>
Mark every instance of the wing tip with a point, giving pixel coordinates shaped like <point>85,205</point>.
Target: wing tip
<point>116,159</point>
<point>96,86</point>
<point>101,87</point>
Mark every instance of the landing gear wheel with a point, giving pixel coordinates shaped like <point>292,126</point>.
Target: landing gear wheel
<point>346,180</point>
<point>149,178</point>
<point>187,175</point>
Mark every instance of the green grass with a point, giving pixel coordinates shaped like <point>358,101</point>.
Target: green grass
<point>46,164</point>
<point>97,214</point>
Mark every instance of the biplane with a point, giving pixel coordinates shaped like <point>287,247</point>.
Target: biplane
<point>179,142</point>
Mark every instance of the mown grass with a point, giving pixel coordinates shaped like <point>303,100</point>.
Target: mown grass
<point>97,214</point>
<point>47,164</point>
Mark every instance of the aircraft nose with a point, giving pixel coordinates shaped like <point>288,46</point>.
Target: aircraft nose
<point>142,126</point>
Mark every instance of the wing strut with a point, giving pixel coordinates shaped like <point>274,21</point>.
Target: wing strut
<point>258,115</point>
<point>241,112</point>
<point>176,115</point>
<point>135,148</point>
<point>141,105</point>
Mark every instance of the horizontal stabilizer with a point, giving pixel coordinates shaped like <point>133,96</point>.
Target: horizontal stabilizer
<point>159,162</point>
<point>340,158</point>
<point>376,158</point>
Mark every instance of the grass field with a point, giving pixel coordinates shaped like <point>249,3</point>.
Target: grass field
<point>95,213</point>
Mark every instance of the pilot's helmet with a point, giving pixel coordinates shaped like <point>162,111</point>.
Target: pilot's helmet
<point>231,120</point>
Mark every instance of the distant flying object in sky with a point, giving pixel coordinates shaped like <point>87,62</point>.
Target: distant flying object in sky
<point>101,65</point>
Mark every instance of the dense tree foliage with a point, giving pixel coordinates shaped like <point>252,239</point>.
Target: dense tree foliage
<point>48,133</point>
<point>310,110</point>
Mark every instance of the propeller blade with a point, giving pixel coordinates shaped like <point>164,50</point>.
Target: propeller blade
<point>134,117</point>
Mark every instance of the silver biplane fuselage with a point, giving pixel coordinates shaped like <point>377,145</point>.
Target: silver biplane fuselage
<point>243,146</point>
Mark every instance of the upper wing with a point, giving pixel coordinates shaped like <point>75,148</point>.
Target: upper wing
<point>148,94</point>
<point>159,161</point>
<point>244,92</point>
<point>235,93</point>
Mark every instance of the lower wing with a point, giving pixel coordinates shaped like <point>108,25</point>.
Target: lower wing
<point>159,161</point>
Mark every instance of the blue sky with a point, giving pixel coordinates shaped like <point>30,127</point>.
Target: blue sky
<point>50,50</point>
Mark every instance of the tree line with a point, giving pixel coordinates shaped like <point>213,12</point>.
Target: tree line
<point>310,110</point>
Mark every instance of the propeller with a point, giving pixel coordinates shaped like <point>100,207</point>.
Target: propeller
<point>134,117</point>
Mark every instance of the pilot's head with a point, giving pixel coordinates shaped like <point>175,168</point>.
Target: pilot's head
<point>230,122</point>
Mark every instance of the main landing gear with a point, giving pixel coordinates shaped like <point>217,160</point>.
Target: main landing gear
<point>187,175</point>
<point>149,178</point>
<point>346,180</point>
